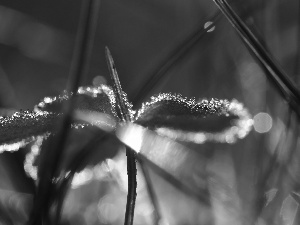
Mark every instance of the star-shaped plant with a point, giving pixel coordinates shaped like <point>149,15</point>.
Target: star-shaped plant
<point>64,134</point>
<point>169,116</point>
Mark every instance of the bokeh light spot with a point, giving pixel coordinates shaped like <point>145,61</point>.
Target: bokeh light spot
<point>262,122</point>
<point>98,80</point>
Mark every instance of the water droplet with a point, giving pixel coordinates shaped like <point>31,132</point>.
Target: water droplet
<point>209,26</point>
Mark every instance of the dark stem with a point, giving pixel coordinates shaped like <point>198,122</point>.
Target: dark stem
<point>79,68</point>
<point>131,158</point>
<point>180,52</point>
<point>132,184</point>
<point>273,71</point>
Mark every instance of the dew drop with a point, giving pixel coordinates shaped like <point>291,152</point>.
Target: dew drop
<point>209,27</point>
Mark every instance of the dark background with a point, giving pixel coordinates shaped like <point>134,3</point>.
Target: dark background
<point>37,40</point>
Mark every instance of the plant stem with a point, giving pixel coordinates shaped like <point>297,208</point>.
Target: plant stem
<point>131,158</point>
<point>52,154</point>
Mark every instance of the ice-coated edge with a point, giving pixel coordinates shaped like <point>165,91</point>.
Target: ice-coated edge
<point>239,129</point>
<point>91,91</point>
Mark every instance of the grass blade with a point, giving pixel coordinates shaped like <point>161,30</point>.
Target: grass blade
<point>273,71</point>
<point>131,160</point>
<point>181,51</point>
<point>79,67</point>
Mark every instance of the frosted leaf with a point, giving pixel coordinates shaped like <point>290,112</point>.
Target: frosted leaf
<point>76,142</point>
<point>187,120</point>
<point>24,127</point>
<point>128,105</point>
<point>99,99</point>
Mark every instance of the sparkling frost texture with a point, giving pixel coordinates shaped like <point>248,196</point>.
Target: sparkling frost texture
<point>169,115</point>
<point>25,127</point>
<point>187,120</point>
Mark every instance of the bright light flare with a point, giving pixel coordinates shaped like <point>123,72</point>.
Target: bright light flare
<point>132,135</point>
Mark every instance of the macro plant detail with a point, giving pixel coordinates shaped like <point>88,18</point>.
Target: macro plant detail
<point>96,154</point>
<point>172,116</point>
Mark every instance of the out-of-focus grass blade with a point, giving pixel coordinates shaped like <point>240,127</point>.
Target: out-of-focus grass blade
<point>273,70</point>
<point>177,54</point>
<point>79,68</point>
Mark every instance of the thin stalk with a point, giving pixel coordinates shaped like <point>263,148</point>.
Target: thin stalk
<point>179,53</point>
<point>273,71</point>
<point>52,155</point>
<point>131,160</point>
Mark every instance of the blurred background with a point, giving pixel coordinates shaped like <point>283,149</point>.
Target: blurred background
<point>36,46</point>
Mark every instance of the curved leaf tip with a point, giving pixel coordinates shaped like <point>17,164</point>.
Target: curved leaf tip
<point>23,127</point>
<point>99,99</point>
